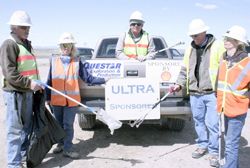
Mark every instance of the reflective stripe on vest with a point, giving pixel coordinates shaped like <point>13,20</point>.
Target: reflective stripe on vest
<point>66,83</point>
<point>232,92</point>
<point>132,49</point>
<point>215,54</point>
<point>26,62</point>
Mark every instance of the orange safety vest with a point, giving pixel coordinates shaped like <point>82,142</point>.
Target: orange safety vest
<point>132,49</point>
<point>233,91</point>
<point>66,83</point>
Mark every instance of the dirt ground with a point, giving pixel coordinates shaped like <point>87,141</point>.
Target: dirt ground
<point>148,146</point>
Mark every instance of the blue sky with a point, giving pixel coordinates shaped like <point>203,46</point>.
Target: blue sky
<point>93,19</point>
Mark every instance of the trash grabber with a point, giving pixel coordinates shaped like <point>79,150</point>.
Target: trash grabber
<point>100,114</point>
<point>221,133</point>
<point>179,43</point>
<point>139,121</point>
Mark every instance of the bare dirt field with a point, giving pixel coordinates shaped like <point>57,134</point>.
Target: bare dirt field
<point>148,146</point>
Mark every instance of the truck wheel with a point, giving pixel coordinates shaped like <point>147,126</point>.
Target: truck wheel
<point>174,124</point>
<point>86,121</point>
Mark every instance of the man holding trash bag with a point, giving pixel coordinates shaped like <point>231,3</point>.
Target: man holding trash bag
<point>64,74</point>
<point>20,71</point>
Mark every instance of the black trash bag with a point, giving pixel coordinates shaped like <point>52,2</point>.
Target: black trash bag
<point>46,132</point>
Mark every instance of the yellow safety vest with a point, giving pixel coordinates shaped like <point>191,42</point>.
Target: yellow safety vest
<point>132,49</point>
<point>215,55</point>
<point>26,63</point>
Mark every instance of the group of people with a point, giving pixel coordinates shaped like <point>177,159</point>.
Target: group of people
<point>216,77</point>
<point>21,79</point>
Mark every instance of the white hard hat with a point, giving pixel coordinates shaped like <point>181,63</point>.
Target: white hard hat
<point>20,18</point>
<point>66,38</point>
<point>197,26</point>
<point>136,17</point>
<point>238,33</point>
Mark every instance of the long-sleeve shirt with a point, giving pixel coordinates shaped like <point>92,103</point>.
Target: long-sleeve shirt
<point>120,47</point>
<point>83,74</point>
<point>13,80</point>
<point>199,80</point>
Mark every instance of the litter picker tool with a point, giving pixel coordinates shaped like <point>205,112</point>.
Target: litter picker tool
<point>179,43</point>
<point>101,114</point>
<point>221,135</point>
<point>139,121</point>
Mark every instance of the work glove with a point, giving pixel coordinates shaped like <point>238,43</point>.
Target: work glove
<point>174,88</point>
<point>47,102</point>
<point>48,106</point>
<point>35,86</point>
<point>141,58</point>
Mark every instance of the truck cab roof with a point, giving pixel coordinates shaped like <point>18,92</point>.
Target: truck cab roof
<point>107,45</point>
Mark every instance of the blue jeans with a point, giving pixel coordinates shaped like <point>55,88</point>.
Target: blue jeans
<point>233,128</point>
<point>66,117</point>
<point>18,125</point>
<point>206,121</point>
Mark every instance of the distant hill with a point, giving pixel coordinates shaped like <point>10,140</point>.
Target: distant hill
<point>48,51</point>
<point>45,51</point>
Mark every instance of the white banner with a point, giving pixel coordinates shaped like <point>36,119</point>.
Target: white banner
<point>163,70</point>
<point>131,98</point>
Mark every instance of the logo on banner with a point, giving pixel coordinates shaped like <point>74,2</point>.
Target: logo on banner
<point>104,69</point>
<point>165,75</point>
<point>163,70</point>
<point>132,89</point>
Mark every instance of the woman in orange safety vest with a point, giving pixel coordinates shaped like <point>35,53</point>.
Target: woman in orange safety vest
<point>233,91</point>
<point>64,73</point>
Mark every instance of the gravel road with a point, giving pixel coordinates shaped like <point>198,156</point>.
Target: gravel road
<point>148,146</point>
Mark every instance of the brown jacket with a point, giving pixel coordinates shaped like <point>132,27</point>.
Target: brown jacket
<point>9,51</point>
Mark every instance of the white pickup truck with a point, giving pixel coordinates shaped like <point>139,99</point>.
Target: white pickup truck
<point>173,111</point>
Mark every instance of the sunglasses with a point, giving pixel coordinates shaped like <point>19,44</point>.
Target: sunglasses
<point>133,24</point>
<point>228,39</point>
<point>24,27</point>
<point>66,45</point>
<point>195,35</point>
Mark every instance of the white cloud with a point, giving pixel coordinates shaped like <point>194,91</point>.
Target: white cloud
<point>206,6</point>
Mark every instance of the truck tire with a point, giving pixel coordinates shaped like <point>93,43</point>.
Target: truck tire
<point>86,121</point>
<point>173,124</point>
